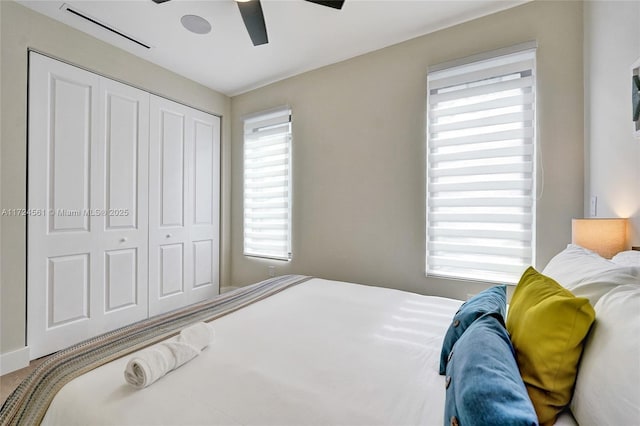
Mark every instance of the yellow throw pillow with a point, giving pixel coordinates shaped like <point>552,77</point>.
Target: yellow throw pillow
<point>548,325</point>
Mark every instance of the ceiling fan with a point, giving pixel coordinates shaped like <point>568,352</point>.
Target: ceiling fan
<point>251,12</point>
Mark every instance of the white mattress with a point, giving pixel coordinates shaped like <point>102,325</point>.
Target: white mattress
<point>322,352</point>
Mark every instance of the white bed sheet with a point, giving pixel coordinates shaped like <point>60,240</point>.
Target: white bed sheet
<point>323,353</point>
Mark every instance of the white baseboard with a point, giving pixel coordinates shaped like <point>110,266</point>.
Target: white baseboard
<point>15,360</point>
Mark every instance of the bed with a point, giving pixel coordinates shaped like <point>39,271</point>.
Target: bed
<point>298,350</point>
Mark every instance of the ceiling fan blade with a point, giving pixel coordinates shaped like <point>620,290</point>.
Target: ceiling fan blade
<point>159,1</point>
<point>336,4</point>
<point>253,18</point>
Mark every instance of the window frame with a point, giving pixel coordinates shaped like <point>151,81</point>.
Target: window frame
<point>268,115</point>
<point>458,67</point>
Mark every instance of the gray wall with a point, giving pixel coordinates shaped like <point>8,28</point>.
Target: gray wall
<point>359,151</point>
<point>611,45</point>
<point>21,28</point>
<point>2,204</point>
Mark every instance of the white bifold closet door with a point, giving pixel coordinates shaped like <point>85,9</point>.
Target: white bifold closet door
<point>183,206</point>
<point>87,229</point>
<point>123,197</point>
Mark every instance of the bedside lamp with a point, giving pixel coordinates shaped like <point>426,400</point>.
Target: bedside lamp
<point>607,237</point>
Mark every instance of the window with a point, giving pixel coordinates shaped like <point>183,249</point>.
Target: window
<point>267,184</point>
<point>481,168</point>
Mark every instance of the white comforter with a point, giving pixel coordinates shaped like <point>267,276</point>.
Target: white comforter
<point>322,353</point>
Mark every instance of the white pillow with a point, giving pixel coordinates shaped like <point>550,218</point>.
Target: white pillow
<point>607,388</point>
<point>630,258</point>
<point>587,274</point>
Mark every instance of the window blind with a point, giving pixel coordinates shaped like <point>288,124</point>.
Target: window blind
<point>267,185</point>
<point>481,169</point>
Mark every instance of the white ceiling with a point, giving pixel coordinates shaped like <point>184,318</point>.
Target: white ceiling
<point>302,35</point>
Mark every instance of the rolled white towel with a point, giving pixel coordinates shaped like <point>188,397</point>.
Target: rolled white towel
<point>199,335</point>
<point>152,363</point>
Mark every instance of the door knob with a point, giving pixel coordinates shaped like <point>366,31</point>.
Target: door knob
<point>123,239</point>
<point>168,235</point>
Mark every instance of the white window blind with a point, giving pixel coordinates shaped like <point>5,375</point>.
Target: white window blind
<point>267,185</point>
<point>481,169</point>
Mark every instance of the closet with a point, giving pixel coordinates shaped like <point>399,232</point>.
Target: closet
<point>123,205</point>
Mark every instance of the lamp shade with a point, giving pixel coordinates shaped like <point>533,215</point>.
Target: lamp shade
<point>603,236</point>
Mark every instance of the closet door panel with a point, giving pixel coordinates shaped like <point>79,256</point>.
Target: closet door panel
<point>121,206</point>
<point>67,289</point>
<point>204,167</point>
<point>63,117</point>
<point>172,164</point>
<point>171,270</point>
<point>204,222</point>
<point>121,279</point>
<point>70,116</point>
<point>169,250</point>
<point>203,264</point>
<point>122,168</point>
